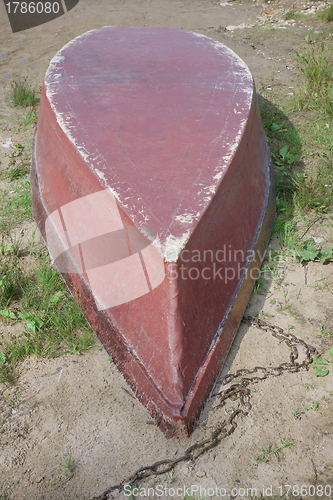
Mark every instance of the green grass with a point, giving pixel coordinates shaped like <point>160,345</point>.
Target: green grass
<point>52,321</point>
<point>327,14</point>
<point>285,146</point>
<point>325,331</point>
<point>316,65</point>
<point>12,279</point>
<point>30,117</point>
<point>267,451</point>
<point>15,205</point>
<point>32,292</point>
<point>23,95</point>
<point>69,466</point>
<point>293,14</point>
<point>302,153</point>
<point>19,163</point>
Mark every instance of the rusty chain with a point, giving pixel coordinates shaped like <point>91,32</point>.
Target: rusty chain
<point>238,390</point>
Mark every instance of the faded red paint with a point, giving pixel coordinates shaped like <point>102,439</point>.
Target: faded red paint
<point>169,121</point>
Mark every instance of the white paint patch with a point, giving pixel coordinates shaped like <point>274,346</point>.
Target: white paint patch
<point>114,192</point>
<point>218,176</point>
<point>187,218</point>
<point>172,246</point>
<point>58,59</point>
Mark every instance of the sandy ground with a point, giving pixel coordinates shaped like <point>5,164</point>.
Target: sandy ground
<point>81,404</point>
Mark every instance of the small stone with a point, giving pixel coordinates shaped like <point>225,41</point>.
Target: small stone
<point>40,479</point>
<point>200,473</point>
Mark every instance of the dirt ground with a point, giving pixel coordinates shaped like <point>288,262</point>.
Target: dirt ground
<point>82,405</point>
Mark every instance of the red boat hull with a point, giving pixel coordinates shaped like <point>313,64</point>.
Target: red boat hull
<point>152,187</point>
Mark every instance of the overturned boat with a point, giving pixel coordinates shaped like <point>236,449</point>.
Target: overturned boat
<point>152,188</point>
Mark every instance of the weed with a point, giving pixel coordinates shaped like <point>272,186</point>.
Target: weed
<point>315,407</point>
<point>274,127</point>
<point>326,14</point>
<point>314,191</point>
<point>308,251</point>
<point>7,374</point>
<point>65,471</point>
<point>17,399</point>
<point>69,465</point>
<point>19,171</point>
<point>53,321</point>
<point>316,66</point>
<point>311,37</point>
<point>293,14</point>
<point>169,477</point>
<point>15,206</point>
<point>14,154</point>
<point>325,331</point>
<point>12,280</point>
<point>262,456</point>
<point>23,95</point>
<point>259,287</point>
<point>19,164</point>
<point>268,450</point>
<point>320,365</point>
<point>29,118</point>
<point>289,237</point>
<point>297,414</point>
<point>73,350</point>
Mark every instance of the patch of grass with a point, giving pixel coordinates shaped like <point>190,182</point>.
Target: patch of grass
<point>326,14</point>
<point>325,331</point>
<point>15,205</point>
<point>265,452</point>
<point>307,251</point>
<point>23,95</point>
<point>321,365</point>
<point>285,149</point>
<point>12,279</point>
<point>7,374</point>
<point>52,320</point>
<point>297,414</point>
<point>65,471</point>
<point>69,465</point>
<point>315,191</point>
<point>293,14</point>
<point>303,180</point>
<point>316,64</point>
<point>19,164</point>
<point>19,171</point>
<point>29,118</point>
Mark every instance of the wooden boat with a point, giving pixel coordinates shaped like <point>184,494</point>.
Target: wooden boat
<point>151,185</point>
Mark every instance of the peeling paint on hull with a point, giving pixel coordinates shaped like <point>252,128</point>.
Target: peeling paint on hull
<point>150,140</point>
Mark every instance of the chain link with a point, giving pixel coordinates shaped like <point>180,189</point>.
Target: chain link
<point>238,390</point>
